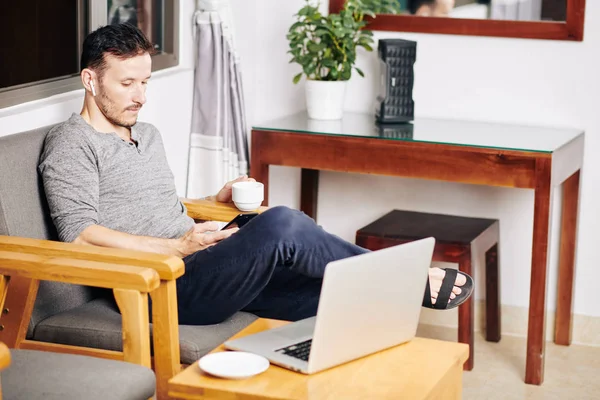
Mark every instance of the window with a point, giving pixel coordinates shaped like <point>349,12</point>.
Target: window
<point>41,41</point>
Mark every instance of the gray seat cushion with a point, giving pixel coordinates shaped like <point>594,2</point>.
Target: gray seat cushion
<point>36,375</point>
<point>97,324</point>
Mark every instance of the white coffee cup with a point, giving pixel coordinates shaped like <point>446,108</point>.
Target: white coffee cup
<point>248,196</point>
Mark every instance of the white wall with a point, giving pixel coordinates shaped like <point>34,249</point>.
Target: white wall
<point>534,82</point>
<point>168,107</point>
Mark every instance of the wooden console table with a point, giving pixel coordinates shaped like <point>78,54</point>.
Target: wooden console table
<point>491,154</point>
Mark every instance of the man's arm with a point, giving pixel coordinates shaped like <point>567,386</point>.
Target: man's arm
<point>69,170</point>
<point>98,235</point>
<point>196,239</point>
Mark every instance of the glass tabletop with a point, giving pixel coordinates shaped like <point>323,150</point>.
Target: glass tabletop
<point>429,130</point>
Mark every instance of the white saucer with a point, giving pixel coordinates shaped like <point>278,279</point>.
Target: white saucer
<point>233,364</point>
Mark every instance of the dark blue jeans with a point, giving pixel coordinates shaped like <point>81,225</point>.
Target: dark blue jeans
<point>273,267</point>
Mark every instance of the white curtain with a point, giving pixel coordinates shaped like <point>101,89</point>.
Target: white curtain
<point>218,145</point>
<point>516,10</point>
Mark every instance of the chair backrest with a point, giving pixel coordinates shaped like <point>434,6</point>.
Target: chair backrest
<point>24,212</point>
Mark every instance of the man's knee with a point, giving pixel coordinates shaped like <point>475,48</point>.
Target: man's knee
<point>283,222</point>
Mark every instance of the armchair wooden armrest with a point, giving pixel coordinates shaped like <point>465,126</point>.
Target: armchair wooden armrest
<point>168,267</point>
<point>90,273</point>
<point>209,209</point>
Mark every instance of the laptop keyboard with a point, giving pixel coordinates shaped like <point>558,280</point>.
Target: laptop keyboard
<point>298,350</point>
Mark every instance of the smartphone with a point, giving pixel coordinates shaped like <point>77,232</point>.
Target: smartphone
<point>239,221</point>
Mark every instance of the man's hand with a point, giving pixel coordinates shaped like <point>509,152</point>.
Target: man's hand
<point>224,195</point>
<point>202,236</point>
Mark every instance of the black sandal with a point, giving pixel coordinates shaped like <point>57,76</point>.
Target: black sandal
<point>441,303</point>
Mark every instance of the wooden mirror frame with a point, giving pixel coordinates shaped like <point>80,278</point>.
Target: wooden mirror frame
<point>571,29</point>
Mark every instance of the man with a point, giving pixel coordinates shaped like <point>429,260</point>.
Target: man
<point>431,8</point>
<point>108,183</point>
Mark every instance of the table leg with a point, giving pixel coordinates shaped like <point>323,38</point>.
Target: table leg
<point>492,295</point>
<point>566,269</point>
<point>534,370</point>
<point>309,189</point>
<point>466,314</point>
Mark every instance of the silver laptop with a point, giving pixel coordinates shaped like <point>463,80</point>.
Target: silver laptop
<point>368,303</point>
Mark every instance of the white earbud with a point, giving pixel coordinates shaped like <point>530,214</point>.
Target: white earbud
<point>93,88</point>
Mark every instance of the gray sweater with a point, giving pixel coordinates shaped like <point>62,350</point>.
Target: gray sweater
<point>98,178</point>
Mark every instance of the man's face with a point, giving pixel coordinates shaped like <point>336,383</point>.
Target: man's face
<point>440,8</point>
<point>123,88</point>
<point>443,8</point>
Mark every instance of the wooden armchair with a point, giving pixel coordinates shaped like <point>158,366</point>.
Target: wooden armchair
<point>40,375</point>
<point>50,303</point>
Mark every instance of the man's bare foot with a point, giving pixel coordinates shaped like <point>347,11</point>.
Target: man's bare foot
<point>436,276</point>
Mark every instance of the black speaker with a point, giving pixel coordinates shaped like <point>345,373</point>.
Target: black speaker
<point>394,101</point>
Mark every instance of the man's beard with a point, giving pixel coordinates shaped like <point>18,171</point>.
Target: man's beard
<point>107,108</point>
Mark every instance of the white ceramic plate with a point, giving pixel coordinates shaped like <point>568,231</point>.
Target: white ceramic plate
<point>233,364</point>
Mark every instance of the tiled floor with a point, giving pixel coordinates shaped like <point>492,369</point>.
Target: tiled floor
<point>571,372</point>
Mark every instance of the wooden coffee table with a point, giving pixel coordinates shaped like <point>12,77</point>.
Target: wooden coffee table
<point>420,369</point>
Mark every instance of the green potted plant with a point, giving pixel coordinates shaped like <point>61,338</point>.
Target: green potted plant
<point>325,46</point>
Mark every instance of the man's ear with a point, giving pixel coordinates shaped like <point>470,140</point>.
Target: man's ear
<point>88,77</point>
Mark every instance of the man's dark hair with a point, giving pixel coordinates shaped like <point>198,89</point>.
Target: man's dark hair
<point>414,5</point>
<point>120,40</point>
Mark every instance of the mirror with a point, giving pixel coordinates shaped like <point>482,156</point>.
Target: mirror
<point>533,19</point>
<point>513,10</point>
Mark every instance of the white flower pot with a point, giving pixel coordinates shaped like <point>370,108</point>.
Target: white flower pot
<point>325,99</point>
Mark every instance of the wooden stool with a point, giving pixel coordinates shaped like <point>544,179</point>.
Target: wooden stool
<point>461,240</point>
